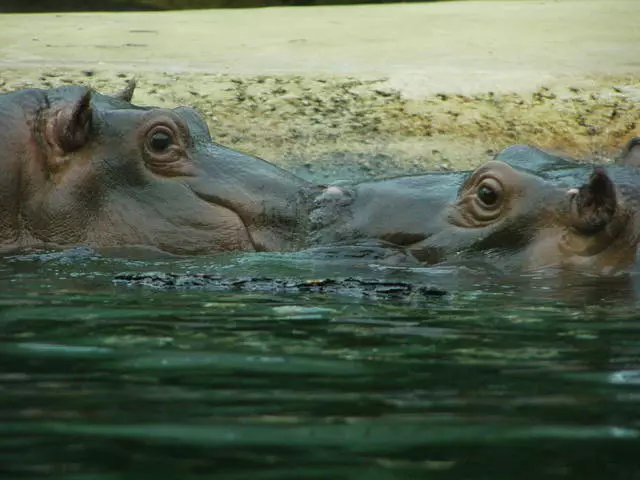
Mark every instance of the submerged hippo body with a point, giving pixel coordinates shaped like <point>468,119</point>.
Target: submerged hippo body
<point>566,172</point>
<point>524,219</point>
<point>84,168</point>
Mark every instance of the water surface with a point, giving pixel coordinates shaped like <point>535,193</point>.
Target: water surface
<point>522,377</point>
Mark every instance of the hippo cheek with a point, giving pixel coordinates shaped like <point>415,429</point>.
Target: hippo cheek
<point>214,229</point>
<point>263,231</point>
<point>545,251</point>
<point>186,228</point>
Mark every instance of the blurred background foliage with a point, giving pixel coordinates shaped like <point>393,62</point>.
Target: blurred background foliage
<point>115,5</point>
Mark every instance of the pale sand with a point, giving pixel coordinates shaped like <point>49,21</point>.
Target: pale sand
<point>409,85</point>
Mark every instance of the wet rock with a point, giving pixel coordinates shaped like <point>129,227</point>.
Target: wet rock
<point>71,256</point>
<point>353,287</point>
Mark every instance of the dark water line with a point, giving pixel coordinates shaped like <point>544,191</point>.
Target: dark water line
<point>45,6</point>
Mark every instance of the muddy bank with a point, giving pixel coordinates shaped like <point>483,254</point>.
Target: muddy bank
<point>325,121</point>
<point>361,90</point>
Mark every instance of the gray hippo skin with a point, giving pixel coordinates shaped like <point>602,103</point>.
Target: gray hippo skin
<point>84,168</point>
<point>566,172</point>
<point>557,214</point>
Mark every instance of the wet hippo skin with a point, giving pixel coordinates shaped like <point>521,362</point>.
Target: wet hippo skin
<point>567,172</point>
<point>515,217</point>
<point>81,168</point>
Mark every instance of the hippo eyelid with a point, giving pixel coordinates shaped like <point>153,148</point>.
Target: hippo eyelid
<point>478,177</point>
<point>171,121</point>
<point>196,123</point>
<point>471,210</point>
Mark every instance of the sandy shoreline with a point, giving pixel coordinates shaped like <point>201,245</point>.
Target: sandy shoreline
<point>403,86</point>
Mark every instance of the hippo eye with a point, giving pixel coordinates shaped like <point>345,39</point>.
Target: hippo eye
<point>164,145</point>
<point>160,140</point>
<point>487,195</point>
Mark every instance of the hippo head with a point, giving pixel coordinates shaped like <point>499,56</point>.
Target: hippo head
<point>515,218</point>
<point>84,168</point>
<point>520,219</point>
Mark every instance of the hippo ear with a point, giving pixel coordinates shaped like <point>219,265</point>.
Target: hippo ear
<point>631,153</point>
<point>70,128</point>
<point>594,204</point>
<point>126,94</point>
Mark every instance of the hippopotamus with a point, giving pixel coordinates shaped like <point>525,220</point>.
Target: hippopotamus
<point>81,167</point>
<point>515,217</point>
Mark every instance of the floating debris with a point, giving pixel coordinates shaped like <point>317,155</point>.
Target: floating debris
<point>348,286</point>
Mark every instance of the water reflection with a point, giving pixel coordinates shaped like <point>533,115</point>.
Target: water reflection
<point>532,376</point>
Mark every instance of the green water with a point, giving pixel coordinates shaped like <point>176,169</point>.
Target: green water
<point>524,377</point>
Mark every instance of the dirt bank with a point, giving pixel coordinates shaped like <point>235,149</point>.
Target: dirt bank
<point>361,90</point>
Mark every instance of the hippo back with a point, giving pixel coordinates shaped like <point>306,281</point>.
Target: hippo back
<point>562,171</point>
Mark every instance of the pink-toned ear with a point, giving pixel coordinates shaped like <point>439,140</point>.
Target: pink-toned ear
<point>126,94</point>
<point>594,204</point>
<point>69,127</point>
